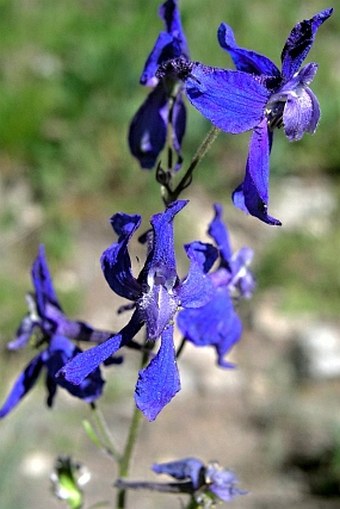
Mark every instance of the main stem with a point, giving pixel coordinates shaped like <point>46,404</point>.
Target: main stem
<point>187,178</point>
<point>127,455</point>
<point>125,461</point>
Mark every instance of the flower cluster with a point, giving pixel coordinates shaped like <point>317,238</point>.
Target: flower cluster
<point>216,323</point>
<point>202,302</point>
<point>164,108</point>
<point>51,328</point>
<point>258,97</point>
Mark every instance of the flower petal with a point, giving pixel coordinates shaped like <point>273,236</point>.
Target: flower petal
<point>166,47</point>
<point>218,231</point>
<point>244,59</point>
<point>252,195</point>
<point>197,289</point>
<point>301,114</point>
<point>178,121</point>
<point>170,44</point>
<point>24,383</point>
<point>232,332</point>
<point>202,254</point>
<point>42,282</point>
<point>147,133</point>
<point>187,468</point>
<point>84,363</point>
<point>157,307</point>
<point>223,483</point>
<point>115,261</point>
<point>212,325</point>
<point>315,112</point>
<point>170,14</point>
<point>233,101</point>
<point>77,369</point>
<point>23,334</point>
<point>57,323</point>
<point>242,282</point>
<point>160,265</point>
<point>158,383</point>
<point>158,277</point>
<point>299,43</point>
<point>60,351</point>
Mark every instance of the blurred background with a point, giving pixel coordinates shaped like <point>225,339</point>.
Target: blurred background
<point>68,89</point>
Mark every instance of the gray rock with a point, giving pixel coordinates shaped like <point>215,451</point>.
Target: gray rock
<point>316,351</point>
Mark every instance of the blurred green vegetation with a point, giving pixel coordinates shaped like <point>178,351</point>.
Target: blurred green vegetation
<point>306,269</point>
<point>69,86</point>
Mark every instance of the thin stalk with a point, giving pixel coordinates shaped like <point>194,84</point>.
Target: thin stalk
<point>172,487</point>
<point>181,348</point>
<point>187,178</point>
<point>104,433</point>
<point>125,461</point>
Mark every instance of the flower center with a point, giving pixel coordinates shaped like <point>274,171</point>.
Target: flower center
<point>274,112</point>
<point>176,68</point>
<point>159,303</point>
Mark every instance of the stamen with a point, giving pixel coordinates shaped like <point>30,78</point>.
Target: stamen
<point>178,67</point>
<point>274,114</point>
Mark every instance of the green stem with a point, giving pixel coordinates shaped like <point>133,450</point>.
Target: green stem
<point>187,178</point>
<point>104,433</point>
<point>127,455</point>
<point>193,504</point>
<point>125,461</point>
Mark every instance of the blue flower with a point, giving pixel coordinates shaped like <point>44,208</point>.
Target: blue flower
<point>291,104</point>
<point>201,480</point>
<point>48,324</point>
<point>156,295</point>
<point>260,97</point>
<point>216,323</point>
<point>164,106</point>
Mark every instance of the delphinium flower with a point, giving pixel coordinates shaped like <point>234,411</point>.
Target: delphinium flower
<point>47,326</point>
<point>257,96</point>
<point>217,323</point>
<point>210,480</point>
<point>164,108</point>
<point>156,295</point>
<point>206,484</point>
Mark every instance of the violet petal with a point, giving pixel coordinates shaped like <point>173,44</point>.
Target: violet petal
<point>245,60</point>
<point>300,41</point>
<point>158,383</point>
<point>233,101</point>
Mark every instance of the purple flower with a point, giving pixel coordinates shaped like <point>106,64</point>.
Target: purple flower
<point>164,106</point>
<point>48,324</point>
<point>291,104</point>
<point>204,479</point>
<point>156,295</point>
<point>260,97</point>
<point>216,323</point>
